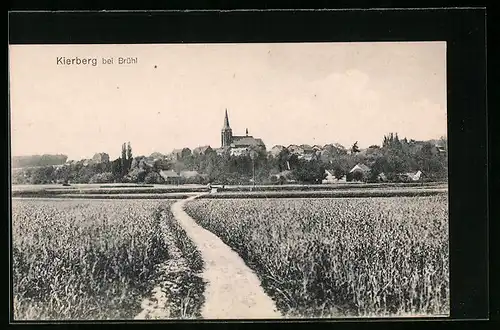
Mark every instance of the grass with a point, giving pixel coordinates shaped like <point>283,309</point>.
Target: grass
<point>187,301</point>
<point>352,193</point>
<point>340,257</point>
<point>82,259</point>
<point>93,189</point>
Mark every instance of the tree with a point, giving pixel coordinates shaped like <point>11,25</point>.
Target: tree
<point>186,152</point>
<point>129,153</point>
<point>309,171</point>
<point>355,148</point>
<point>357,176</point>
<point>339,172</point>
<point>37,160</point>
<point>153,178</point>
<point>443,141</point>
<point>105,177</point>
<point>136,175</point>
<point>340,149</point>
<point>124,160</point>
<point>116,168</point>
<point>282,160</point>
<point>42,175</point>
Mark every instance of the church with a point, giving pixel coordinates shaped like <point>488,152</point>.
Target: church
<point>238,144</point>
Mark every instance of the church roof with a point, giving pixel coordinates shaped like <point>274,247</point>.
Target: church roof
<point>245,141</point>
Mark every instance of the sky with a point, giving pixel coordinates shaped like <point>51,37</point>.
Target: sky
<point>176,94</point>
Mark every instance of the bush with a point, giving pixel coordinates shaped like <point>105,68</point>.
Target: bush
<point>153,177</point>
<point>106,177</point>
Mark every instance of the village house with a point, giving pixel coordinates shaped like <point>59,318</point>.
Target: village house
<point>417,176</point>
<point>100,157</point>
<point>192,176</point>
<point>359,172</point>
<point>307,156</point>
<point>283,177</point>
<point>275,151</point>
<point>295,149</point>
<point>220,151</point>
<point>239,151</point>
<point>330,178</point>
<point>171,177</point>
<point>439,150</point>
<point>317,148</point>
<point>177,154</point>
<point>203,150</point>
<point>382,177</point>
<point>307,149</point>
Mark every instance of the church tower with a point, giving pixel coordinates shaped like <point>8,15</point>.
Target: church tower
<point>226,133</point>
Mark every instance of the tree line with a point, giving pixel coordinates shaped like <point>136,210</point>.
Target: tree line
<point>393,157</point>
<point>38,160</point>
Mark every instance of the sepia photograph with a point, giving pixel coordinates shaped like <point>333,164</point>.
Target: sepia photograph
<point>218,181</point>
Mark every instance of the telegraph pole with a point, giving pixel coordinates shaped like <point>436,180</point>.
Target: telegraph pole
<point>253,155</point>
<point>253,165</point>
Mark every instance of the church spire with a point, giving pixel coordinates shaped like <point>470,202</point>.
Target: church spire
<point>226,121</point>
<point>226,133</point>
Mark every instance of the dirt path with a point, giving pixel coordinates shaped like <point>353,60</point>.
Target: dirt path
<point>233,291</point>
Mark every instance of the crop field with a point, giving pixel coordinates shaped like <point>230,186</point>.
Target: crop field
<point>340,256</point>
<point>81,259</point>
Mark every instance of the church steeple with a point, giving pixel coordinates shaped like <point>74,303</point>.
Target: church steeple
<point>226,133</point>
<point>226,122</point>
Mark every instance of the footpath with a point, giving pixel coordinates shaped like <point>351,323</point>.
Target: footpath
<point>233,291</point>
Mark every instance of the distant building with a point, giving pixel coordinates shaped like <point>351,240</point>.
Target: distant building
<point>295,149</point>
<point>170,177</point>
<point>359,172</point>
<point>189,174</point>
<point>228,140</point>
<point>193,177</point>
<point>100,157</point>
<point>275,151</point>
<point>411,176</point>
<point>177,154</point>
<point>239,151</point>
<point>330,178</point>
<point>439,149</point>
<point>157,155</point>
<point>221,151</point>
<point>203,150</point>
<point>307,156</point>
<point>283,177</point>
<point>307,149</point>
<point>382,177</point>
<point>360,168</point>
